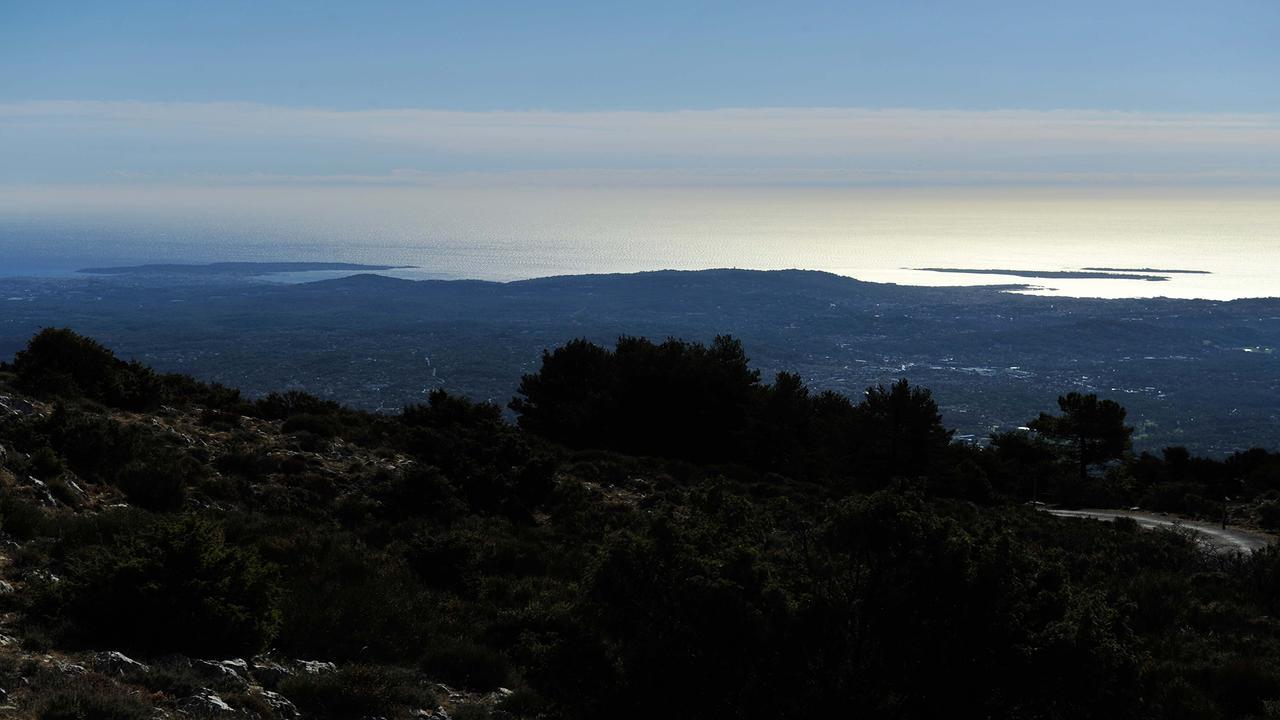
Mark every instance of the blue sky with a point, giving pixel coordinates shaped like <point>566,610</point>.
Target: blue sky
<point>912,91</point>
<point>1137,55</point>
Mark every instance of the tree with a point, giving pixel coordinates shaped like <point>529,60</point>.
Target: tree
<point>1094,428</point>
<point>904,428</point>
<point>670,399</point>
<point>62,363</point>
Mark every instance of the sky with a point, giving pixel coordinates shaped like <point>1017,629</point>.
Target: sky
<point>915,92</point>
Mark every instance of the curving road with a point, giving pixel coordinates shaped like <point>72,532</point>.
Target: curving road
<point>1230,538</point>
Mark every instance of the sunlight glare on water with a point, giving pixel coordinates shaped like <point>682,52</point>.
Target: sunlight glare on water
<point>508,233</point>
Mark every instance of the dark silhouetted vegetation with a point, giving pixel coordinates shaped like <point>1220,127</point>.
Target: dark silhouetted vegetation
<point>661,533</point>
<point>1095,428</point>
<point>162,584</point>
<point>701,403</point>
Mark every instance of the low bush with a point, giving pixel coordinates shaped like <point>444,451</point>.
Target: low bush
<point>159,487</point>
<point>1269,515</point>
<point>87,700</point>
<point>524,703</point>
<point>357,691</point>
<point>20,518</point>
<point>325,426</point>
<point>467,664</point>
<point>279,406</point>
<point>45,464</point>
<point>344,600</point>
<point>172,585</point>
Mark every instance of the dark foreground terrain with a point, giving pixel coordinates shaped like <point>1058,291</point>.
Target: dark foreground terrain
<point>663,533</point>
<point>1195,373</point>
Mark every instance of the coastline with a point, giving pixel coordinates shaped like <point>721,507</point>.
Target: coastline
<point>1082,283</point>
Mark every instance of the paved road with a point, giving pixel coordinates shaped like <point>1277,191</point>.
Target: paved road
<point>1232,538</point>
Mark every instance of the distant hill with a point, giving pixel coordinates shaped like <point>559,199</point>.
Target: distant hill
<point>232,268</point>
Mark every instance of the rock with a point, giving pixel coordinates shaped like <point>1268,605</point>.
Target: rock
<point>42,491</point>
<point>15,406</point>
<point>41,575</point>
<point>269,672</point>
<point>67,668</point>
<point>316,667</point>
<point>71,484</point>
<point>450,692</point>
<point>116,663</point>
<point>214,670</point>
<point>239,666</point>
<point>280,704</point>
<point>204,702</point>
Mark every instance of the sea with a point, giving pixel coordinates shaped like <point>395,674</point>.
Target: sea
<point>1218,243</point>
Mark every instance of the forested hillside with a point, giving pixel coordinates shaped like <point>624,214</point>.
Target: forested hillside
<point>1191,373</point>
<point>661,532</point>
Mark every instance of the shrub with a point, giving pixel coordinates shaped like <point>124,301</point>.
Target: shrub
<point>524,703</point>
<point>172,585</point>
<point>20,518</point>
<point>325,426</point>
<point>359,691</point>
<point>308,442</point>
<point>279,406</point>
<point>250,463</point>
<point>345,601</point>
<point>90,701</point>
<point>45,463</point>
<point>467,664</point>
<point>1269,515</point>
<point>183,389</point>
<point>159,487</point>
<point>220,421</point>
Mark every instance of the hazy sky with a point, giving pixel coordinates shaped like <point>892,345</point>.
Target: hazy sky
<point>661,93</point>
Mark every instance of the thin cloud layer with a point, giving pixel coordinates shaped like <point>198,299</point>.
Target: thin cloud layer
<point>116,142</point>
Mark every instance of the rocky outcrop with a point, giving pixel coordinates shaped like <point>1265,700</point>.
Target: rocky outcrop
<point>316,667</point>
<point>280,704</point>
<point>70,668</point>
<point>232,672</point>
<point>268,672</point>
<point>116,663</point>
<point>10,405</point>
<point>205,703</point>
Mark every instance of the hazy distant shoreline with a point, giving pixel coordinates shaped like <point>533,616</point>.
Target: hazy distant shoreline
<point>1161,271</point>
<point>235,268</point>
<point>1087,282</point>
<point>1085,274</point>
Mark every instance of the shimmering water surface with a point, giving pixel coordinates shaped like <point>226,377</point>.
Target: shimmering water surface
<point>508,233</point>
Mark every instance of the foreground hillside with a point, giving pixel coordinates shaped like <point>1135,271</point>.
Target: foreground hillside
<point>662,533</point>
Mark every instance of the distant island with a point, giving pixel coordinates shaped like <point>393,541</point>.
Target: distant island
<point>1148,270</point>
<point>1086,274</point>
<point>235,268</point>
